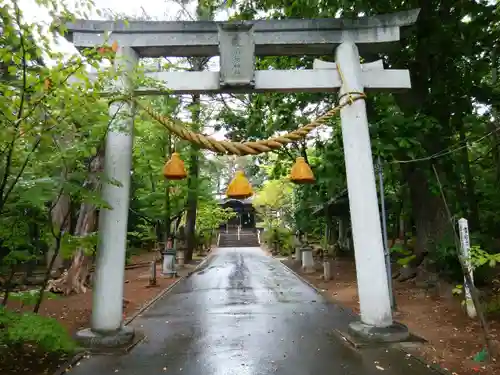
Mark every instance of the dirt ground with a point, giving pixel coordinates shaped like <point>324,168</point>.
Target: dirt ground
<point>74,311</point>
<point>452,338</point>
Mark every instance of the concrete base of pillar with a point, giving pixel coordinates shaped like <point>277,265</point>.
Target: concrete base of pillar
<point>397,332</point>
<point>104,341</point>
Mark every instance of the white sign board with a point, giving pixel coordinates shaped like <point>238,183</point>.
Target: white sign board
<point>463,228</point>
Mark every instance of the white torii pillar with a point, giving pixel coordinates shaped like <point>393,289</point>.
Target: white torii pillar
<point>373,289</point>
<point>107,329</point>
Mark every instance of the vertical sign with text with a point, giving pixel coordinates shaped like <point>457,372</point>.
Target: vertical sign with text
<point>237,55</point>
<point>463,228</point>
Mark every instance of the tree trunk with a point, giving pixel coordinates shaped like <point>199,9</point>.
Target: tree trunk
<point>192,196</point>
<point>495,136</point>
<point>8,285</point>
<point>61,222</point>
<point>430,218</point>
<point>401,227</point>
<point>168,208</point>
<point>473,210</point>
<point>159,231</point>
<point>74,279</point>
<point>55,255</point>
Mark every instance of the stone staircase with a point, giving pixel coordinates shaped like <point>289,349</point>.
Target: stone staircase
<point>247,238</point>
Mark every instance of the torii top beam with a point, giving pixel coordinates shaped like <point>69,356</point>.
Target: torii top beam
<point>289,37</point>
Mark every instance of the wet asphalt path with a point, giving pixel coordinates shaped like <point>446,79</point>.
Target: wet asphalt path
<point>244,313</point>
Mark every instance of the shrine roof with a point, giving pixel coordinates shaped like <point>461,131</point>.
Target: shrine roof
<point>247,201</point>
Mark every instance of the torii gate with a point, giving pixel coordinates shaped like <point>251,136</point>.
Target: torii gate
<point>238,43</point>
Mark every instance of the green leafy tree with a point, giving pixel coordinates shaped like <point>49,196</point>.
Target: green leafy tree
<point>452,54</point>
<point>274,202</point>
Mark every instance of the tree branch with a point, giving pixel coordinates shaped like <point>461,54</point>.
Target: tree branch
<point>10,152</point>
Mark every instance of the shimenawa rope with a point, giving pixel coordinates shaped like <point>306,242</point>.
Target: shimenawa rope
<point>251,148</point>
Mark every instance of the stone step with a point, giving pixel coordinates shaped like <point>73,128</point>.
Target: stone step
<point>247,239</point>
<point>239,245</point>
<point>240,241</point>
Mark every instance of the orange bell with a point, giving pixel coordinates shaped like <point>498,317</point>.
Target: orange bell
<point>174,168</point>
<point>301,172</point>
<point>106,49</point>
<point>47,84</point>
<point>239,187</point>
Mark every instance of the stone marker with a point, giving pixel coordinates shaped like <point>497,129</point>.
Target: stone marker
<point>463,228</point>
<point>327,270</point>
<point>307,259</point>
<point>152,275</point>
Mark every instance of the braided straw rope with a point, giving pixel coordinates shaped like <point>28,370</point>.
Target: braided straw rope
<point>251,148</point>
<point>247,148</point>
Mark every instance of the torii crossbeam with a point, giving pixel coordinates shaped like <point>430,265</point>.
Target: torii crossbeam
<point>237,44</point>
<point>324,77</point>
<point>290,37</point>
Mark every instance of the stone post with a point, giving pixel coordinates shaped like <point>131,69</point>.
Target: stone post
<point>169,255</point>
<point>107,306</point>
<point>373,289</point>
<point>341,232</point>
<point>297,243</point>
<point>327,269</point>
<point>307,259</point>
<point>180,253</point>
<point>152,273</point>
<point>180,246</point>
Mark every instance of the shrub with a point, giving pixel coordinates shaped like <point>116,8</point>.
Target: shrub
<point>283,237</point>
<point>45,334</point>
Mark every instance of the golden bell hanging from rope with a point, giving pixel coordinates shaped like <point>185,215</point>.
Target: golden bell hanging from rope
<point>107,49</point>
<point>174,168</point>
<point>301,172</point>
<point>239,187</point>
<point>47,84</point>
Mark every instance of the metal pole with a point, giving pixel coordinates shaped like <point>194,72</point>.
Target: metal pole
<point>384,233</point>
